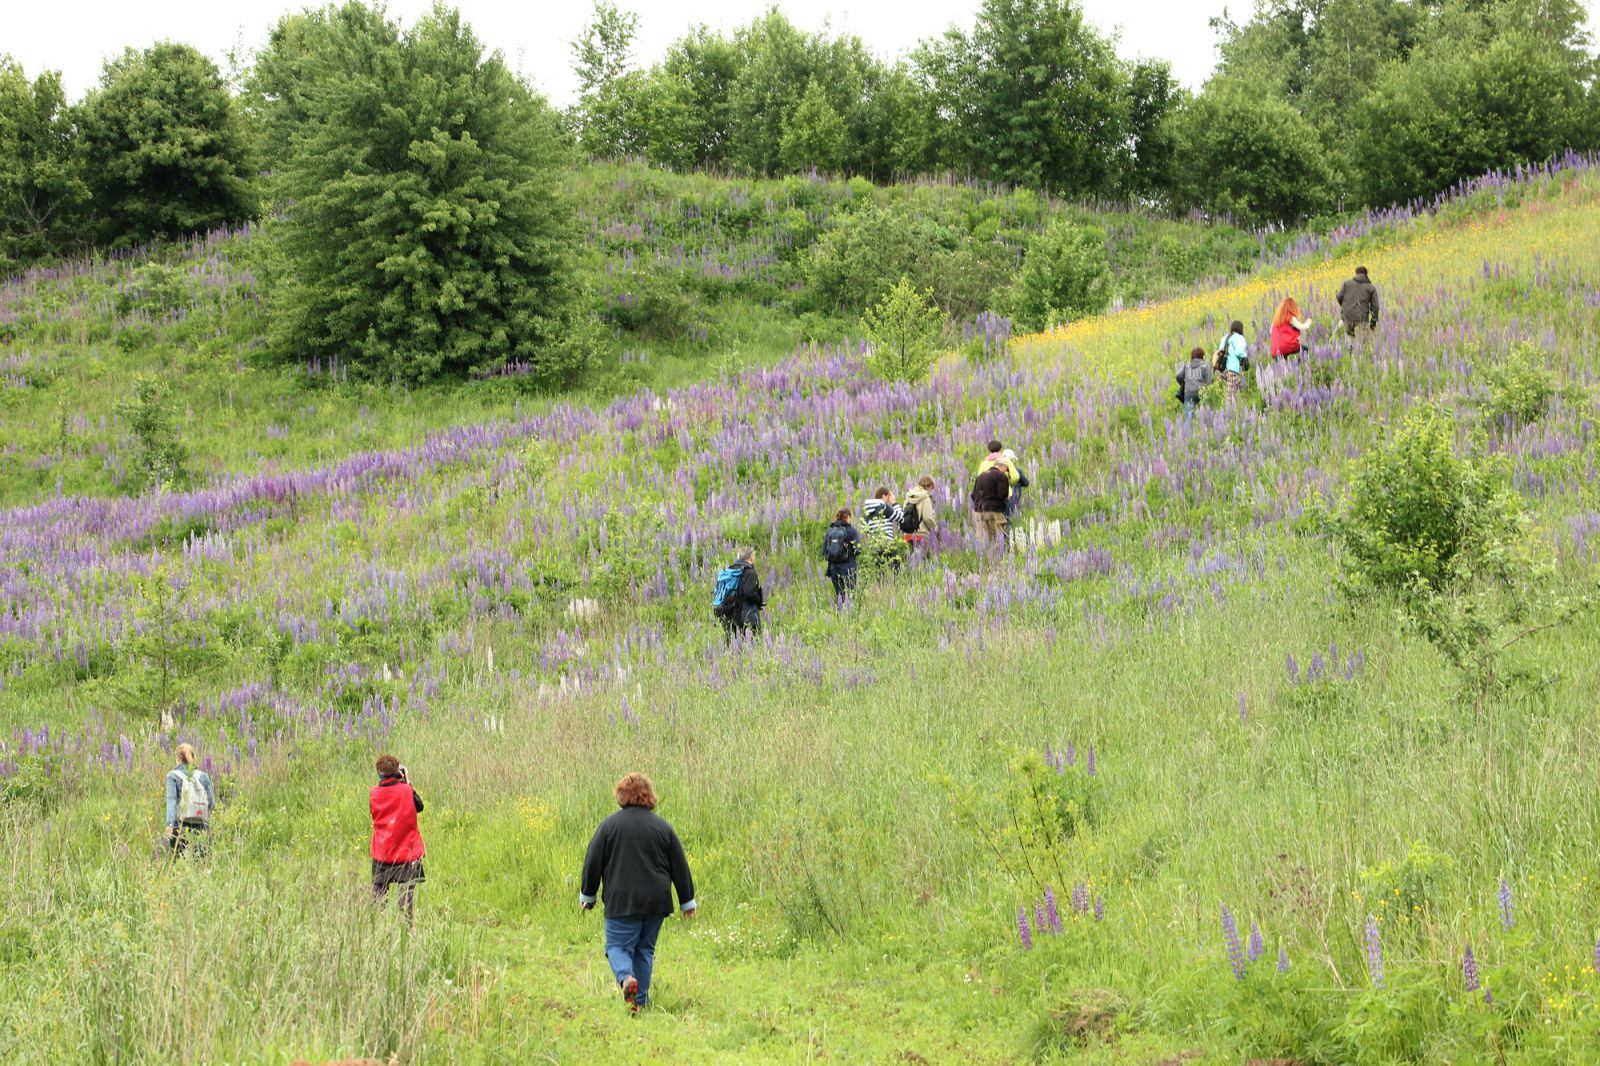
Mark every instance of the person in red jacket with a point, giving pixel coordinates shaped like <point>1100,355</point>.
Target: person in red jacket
<point>396,843</point>
<point>1287,326</point>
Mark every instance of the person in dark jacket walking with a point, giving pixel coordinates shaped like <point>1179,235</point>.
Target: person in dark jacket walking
<point>636,856</point>
<point>991,493</point>
<point>396,843</point>
<point>1192,377</point>
<point>741,609</point>
<point>841,544</point>
<point>1358,304</point>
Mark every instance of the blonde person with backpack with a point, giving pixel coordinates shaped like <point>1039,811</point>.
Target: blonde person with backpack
<point>190,801</point>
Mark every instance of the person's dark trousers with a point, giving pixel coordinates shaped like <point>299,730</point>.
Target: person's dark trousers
<point>844,581</point>
<point>190,839</point>
<point>631,950</point>
<point>746,621</point>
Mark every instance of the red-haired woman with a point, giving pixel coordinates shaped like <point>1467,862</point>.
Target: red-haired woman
<point>638,858</point>
<point>396,842</point>
<point>1287,327</point>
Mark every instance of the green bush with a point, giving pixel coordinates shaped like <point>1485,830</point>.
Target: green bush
<point>1520,386</point>
<point>902,329</point>
<point>159,455</point>
<point>1065,275</point>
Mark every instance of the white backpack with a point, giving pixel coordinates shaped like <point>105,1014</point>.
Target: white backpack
<point>194,805</point>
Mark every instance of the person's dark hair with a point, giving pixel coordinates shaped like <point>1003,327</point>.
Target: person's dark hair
<point>994,446</point>
<point>1237,327</point>
<point>843,515</point>
<point>1362,271</point>
<point>635,790</point>
<point>881,494</point>
<point>1197,353</point>
<point>925,482</point>
<point>388,766</point>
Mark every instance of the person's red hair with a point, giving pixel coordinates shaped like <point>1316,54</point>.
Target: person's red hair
<point>635,790</point>
<point>1286,310</point>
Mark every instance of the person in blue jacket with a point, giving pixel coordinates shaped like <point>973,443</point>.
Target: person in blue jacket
<point>1233,356</point>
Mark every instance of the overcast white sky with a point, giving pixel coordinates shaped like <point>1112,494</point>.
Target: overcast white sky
<point>76,36</point>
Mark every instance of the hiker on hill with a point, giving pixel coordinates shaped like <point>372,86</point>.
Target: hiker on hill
<point>1192,377</point>
<point>991,492</point>
<point>841,544</point>
<point>881,520</point>
<point>1287,328</point>
<point>1019,481</point>
<point>997,454</point>
<point>396,842</point>
<point>737,599</point>
<point>190,801</point>
<point>1233,357</point>
<point>636,856</point>
<point>1358,305</point>
<point>920,518</point>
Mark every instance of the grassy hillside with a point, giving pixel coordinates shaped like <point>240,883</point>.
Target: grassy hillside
<point>518,607</point>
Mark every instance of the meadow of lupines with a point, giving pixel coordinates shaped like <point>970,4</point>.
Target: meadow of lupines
<point>518,605</point>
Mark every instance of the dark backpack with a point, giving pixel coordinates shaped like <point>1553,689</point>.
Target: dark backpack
<point>910,520</point>
<point>726,592</point>
<point>836,546</point>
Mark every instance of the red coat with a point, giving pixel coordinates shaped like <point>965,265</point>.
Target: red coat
<point>394,823</point>
<point>1285,340</point>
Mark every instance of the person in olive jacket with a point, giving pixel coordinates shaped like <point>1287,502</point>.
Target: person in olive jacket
<point>636,855</point>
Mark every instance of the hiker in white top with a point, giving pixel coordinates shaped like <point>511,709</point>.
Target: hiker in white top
<point>190,801</point>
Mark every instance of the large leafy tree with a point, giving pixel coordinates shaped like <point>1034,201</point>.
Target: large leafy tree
<point>422,234</point>
<point>815,135</point>
<point>1033,96</point>
<point>162,148</point>
<point>39,186</point>
<point>1451,114</point>
<point>1249,156</point>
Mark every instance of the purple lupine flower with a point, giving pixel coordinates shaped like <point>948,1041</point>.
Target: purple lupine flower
<point>1049,756</point>
<point>1488,998</point>
<point>1597,956</point>
<point>1469,969</point>
<point>1091,763</point>
<point>1294,668</point>
<point>1050,911</point>
<point>1022,928</point>
<point>1254,946</point>
<point>1283,959</point>
<point>1230,936</point>
<point>1099,909</point>
<point>1080,897</point>
<point>1072,754</point>
<point>1039,923</point>
<point>1244,710</point>
<point>1506,917</point>
<point>1374,952</point>
<point>1314,671</point>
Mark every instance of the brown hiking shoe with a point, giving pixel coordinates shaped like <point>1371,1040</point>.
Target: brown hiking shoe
<point>630,993</point>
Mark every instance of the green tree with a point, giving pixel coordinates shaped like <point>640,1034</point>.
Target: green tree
<point>610,101</point>
<point>162,148</point>
<point>1033,97</point>
<point>159,455</point>
<point>422,234</point>
<point>40,189</point>
<point>814,136</point>
<point>1064,276</point>
<point>1250,156</point>
<point>903,330</point>
<point>1453,114</point>
<point>688,119</point>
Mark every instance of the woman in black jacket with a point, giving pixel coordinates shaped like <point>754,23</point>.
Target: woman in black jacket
<point>636,854</point>
<point>841,544</point>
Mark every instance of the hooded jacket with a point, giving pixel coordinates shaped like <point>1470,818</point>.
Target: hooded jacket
<point>991,491</point>
<point>1192,377</point>
<point>919,500</point>
<point>1358,301</point>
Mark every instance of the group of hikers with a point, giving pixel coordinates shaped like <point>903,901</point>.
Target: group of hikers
<point>890,530</point>
<point>633,863</point>
<point>1357,301</point>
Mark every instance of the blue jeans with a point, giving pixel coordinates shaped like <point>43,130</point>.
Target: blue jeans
<point>631,949</point>
<point>1188,411</point>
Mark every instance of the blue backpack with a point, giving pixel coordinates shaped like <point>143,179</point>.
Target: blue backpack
<point>726,592</point>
